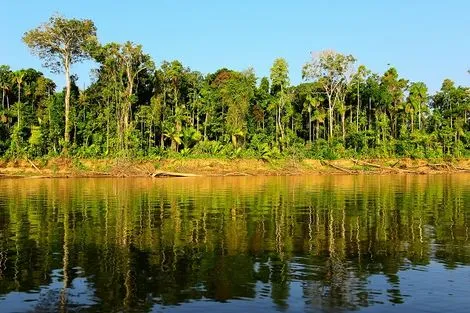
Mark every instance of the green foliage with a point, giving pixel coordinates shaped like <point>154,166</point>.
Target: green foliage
<point>36,142</point>
<point>136,109</point>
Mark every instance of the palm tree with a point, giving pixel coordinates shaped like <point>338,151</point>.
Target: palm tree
<point>18,77</point>
<point>170,131</point>
<point>311,103</point>
<point>189,136</point>
<point>319,117</point>
<point>5,87</point>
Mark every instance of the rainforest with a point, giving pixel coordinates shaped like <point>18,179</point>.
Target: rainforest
<point>137,107</point>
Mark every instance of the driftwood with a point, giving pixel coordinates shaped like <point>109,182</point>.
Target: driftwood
<point>30,162</point>
<point>462,169</point>
<point>363,163</point>
<point>342,169</point>
<point>172,174</point>
<point>449,166</point>
<point>237,174</point>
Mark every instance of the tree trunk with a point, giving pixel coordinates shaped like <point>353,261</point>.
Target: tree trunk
<point>330,118</point>
<point>19,92</point>
<point>419,117</point>
<point>67,103</point>
<point>330,123</point>
<point>128,105</point>
<point>234,140</point>
<point>205,126</point>
<point>178,124</point>
<point>343,118</point>
<point>357,108</point>
<point>317,133</point>
<point>107,135</point>
<point>357,116</point>
<point>309,125</point>
<point>277,127</point>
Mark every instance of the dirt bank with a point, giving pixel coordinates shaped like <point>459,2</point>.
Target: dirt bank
<point>65,167</point>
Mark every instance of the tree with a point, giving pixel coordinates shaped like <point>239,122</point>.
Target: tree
<point>392,96</point>
<point>236,93</point>
<point>279,75</point>
<point>18,77</point>
<point>418,97</point>
<point>5,83</point>
<point>60,43</point>
<point>134,61</point>
<point>333,70</point>
<point>359,78</point>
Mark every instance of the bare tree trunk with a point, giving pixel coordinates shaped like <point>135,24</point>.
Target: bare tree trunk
<point>330,118</point>
<point>343,118</point>
<point>419,117</point>
<point>310,125</point>
<point>277,127</point>
<point>205,126</point>
<point>317,133</point>
<point>67,104</point>
<point>19,91</point>
<point>357,109</point>
<point>128,105</point>
<point>107,135</point>
<point>330,123</point>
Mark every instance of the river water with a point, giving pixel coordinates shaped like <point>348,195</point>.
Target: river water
<point>237,244</point>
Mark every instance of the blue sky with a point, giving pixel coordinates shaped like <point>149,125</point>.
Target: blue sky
<point>425,40</point>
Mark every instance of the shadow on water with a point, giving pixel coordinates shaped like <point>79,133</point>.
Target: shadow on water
<point>320,243</point>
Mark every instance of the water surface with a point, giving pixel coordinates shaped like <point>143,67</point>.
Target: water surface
<point>287,244</point>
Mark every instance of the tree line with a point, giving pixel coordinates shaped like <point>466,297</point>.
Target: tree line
<point>135,108</point>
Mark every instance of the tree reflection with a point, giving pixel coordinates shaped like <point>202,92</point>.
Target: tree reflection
<point>137,243</point>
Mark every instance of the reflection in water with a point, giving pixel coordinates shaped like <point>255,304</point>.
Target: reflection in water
<point>333,243</point>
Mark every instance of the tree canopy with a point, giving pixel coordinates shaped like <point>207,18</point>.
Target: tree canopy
<point>139,107</point>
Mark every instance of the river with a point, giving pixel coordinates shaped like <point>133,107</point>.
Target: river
<point>371,243</point>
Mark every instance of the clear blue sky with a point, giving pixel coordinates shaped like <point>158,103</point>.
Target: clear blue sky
<point>425,40</point>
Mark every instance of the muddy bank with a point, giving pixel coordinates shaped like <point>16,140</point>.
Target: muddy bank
<point>65,167</point>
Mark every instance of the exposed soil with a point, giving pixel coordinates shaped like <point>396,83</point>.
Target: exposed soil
<point>65,167</point>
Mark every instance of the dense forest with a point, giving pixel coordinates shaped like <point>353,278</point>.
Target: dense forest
<point>134,108</point>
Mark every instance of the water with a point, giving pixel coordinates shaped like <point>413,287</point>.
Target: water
<point>287,244</point>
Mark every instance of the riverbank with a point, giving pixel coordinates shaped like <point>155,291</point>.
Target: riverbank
<point>67,167</point>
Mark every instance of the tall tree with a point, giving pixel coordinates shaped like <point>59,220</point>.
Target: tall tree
<point>61,42</point>
<point>279,84</point>
<point>333,70</point>
<point>418,97</point>
<point>5,83</point>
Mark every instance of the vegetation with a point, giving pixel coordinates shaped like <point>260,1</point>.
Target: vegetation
<point>134,108</point>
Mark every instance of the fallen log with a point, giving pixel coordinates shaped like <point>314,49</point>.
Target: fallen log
<point>363,163</point>
<point>438,165</point>
<point>172,174</point>
<point>237,174</point>
<point>37,169</point>
<point>339,168</point>
<point>462,169</point>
